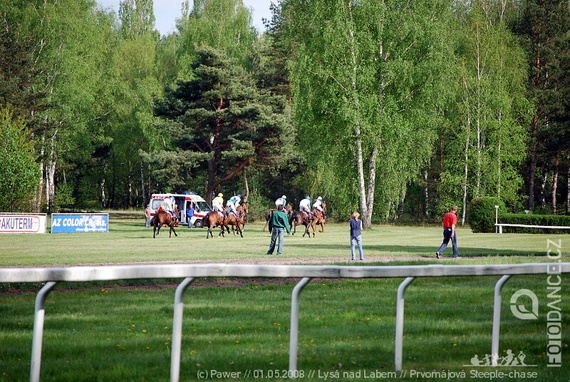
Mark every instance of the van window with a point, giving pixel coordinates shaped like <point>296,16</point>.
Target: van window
<point>155,203</point>
<point>201,206</point>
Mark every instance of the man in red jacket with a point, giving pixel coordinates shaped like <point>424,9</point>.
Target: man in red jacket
<point>449,222</point>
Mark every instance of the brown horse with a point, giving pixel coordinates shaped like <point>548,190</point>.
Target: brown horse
<point>300,218</point>
<point>237,222</point>
<point>319,218</point>
<point>163,218</point>
<point>288,211</point>
<point>213,219</point>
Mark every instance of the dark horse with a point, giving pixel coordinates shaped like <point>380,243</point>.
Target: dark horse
<point>213,219</point>
<point>237,221</point>
<point>288,211</point>
<point>300,217</point>
<point>163,218</point>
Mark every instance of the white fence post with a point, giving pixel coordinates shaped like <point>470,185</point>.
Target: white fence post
<point>497,319</point>
<point>294,335</point>
<point>177,329</point>
<point>400,322</point>
<point>38,336</point>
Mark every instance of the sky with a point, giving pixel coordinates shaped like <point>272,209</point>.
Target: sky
<point>167,11</point>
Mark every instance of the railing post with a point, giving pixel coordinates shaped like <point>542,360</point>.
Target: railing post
<point>400,322</point>
<point>177,329</point>
<point>497,319</point>
<point>294,335</point>
<point>38,335</point>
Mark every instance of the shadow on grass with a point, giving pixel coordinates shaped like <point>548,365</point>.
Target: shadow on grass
<point>426,251</point>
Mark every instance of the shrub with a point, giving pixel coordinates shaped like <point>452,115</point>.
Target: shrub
<point>481,214</point>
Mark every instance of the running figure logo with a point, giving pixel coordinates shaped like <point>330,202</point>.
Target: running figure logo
<point>509,359</point>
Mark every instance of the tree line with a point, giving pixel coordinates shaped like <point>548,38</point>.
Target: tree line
<point>396,109</point>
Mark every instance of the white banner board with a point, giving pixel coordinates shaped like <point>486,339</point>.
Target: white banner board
<point>22,223</point>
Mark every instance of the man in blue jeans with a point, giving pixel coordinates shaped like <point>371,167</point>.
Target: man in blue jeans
<point>278,222</point>
<point>449,222</point>
<point>355,225</point>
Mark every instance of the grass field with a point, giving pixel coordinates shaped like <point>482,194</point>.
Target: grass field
<point>120,331</point>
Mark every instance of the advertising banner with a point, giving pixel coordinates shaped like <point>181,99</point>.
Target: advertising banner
<point>79,223</point>
<point>22,223</point>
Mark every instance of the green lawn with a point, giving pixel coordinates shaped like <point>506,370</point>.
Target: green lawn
<point>121,331</point>
<point>129,241</point>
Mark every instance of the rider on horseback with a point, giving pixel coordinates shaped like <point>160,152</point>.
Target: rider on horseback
<point>233,204</point>
<point>318,205</point>
<point>281,201</point>
<point>305,207</point>
<point>218,204</point>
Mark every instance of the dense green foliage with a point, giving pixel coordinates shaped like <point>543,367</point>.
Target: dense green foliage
<point>19,172</point>
<point>483,212</point>
<point>394,109</point>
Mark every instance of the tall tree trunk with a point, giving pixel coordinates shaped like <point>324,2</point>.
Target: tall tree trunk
<point>568,188</point>
<point>50,166</point>
<point>465,172</point>
<point>371,186</point>
<point>426,193</point>
<point>555,186</point>
<point>40,190</point>
<point>543,182</point>
<point>245,185</point>
<point>532,164</point>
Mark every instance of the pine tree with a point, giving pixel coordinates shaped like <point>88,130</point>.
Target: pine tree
<point>219,123</point>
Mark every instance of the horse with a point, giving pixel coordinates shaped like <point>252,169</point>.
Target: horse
<point>319,218</point>
<point>298,218</point>
<point>213,219</point>
<point>288,211</point>
<point>163,218</point>
<point>237,221</point>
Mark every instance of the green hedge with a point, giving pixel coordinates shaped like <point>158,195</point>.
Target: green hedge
<point>481,213</point>
<point>530,219</point>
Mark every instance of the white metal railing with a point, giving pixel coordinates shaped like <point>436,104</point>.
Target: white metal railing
<point>306,272</point>
<point>501,225</point>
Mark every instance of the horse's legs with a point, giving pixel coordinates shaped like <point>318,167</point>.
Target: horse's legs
<point>154,232</point>
<point>172,230</point>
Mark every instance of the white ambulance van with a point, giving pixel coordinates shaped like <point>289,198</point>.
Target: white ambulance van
<point>183,201</point>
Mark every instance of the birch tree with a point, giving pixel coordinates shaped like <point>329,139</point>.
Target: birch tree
<point>367,84</point>
<point>485,145</point>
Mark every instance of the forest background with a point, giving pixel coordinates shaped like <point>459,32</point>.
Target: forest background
<point>397,109</point>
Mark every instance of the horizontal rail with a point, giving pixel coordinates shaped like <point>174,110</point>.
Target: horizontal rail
<point>190,271</point>
<point>501,225</point>
<point>129,272</point>
<point>533,226</point>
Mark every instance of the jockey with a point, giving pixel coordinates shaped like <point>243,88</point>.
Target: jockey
<point>318,205</point>
<point>218,203</point>
<point>305,206</point>
<point>233,204</point>
<point>281,201</point>
<point>167,204</point>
